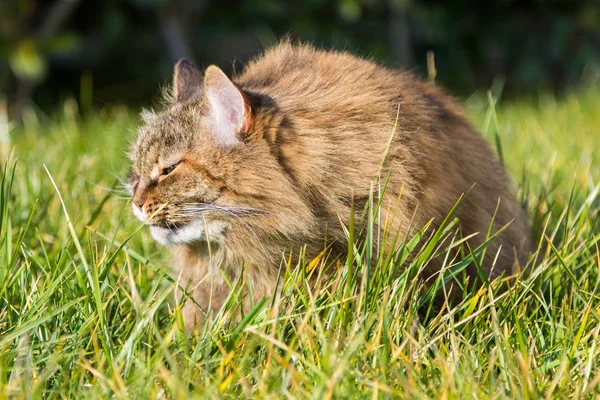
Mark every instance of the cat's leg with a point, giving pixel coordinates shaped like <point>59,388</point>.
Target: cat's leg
<point>207,292</point>
<point>201,289</point>
<point>203,300</point>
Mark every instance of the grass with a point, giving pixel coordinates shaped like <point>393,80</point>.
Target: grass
<point>86,308</point>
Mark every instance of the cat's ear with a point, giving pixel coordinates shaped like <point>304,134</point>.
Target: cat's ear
<point>229,110</point>
<point>187,80</point>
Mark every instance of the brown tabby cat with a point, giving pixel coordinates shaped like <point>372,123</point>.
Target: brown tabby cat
<point>237,172</point>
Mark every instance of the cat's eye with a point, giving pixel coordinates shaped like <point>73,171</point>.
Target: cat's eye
<point>166,171</point>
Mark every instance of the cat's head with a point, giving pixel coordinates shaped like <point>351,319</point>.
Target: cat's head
<point>200,168</point>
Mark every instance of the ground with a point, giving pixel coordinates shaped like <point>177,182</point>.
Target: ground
<point>86,308</point>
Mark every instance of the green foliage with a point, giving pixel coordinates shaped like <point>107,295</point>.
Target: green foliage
<point>130,46</point>
<point>27,50</point>
<point>86,308</point>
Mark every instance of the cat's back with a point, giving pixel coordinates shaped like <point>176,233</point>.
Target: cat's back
<point>303,74</point>
<point>339,96</point>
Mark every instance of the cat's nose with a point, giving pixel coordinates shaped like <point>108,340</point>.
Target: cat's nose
<point>139,203</point>
<point>139,199</point>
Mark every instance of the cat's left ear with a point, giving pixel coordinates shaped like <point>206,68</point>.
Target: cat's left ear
<point>187,80</point>
<point>230,112</point>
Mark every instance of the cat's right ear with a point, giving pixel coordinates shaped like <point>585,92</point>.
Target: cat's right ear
<point>230,113</point>
<point>187,80</point>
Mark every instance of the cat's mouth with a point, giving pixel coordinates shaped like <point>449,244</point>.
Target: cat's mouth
<point>166,225</point>
<point>185,233</point>
<point>171,234</point>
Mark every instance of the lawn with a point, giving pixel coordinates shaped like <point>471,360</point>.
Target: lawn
<point>87,310</point>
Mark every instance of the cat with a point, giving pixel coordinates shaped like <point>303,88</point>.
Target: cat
<point>242,171</point>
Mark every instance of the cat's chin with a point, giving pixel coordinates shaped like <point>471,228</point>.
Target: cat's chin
<point>190,233</point>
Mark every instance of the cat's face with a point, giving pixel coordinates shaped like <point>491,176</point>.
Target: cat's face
<point>187,174</point>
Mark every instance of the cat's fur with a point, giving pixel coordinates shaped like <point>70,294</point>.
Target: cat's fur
<point>269,163</point>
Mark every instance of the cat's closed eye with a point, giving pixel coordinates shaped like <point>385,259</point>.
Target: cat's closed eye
<point>167,170</point>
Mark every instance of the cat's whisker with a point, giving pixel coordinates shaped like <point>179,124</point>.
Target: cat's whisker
<point>223,213</point>
<point>122,181</point>
<point>201,213</point>
<point>249,211</point>
<point>112,190</point>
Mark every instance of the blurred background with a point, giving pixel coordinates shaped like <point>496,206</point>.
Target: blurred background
<point>103,52</point>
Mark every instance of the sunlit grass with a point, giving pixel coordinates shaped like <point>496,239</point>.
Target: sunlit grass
<point>86,308</point>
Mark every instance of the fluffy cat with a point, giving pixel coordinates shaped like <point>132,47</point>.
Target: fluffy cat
<point>239,172</point>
